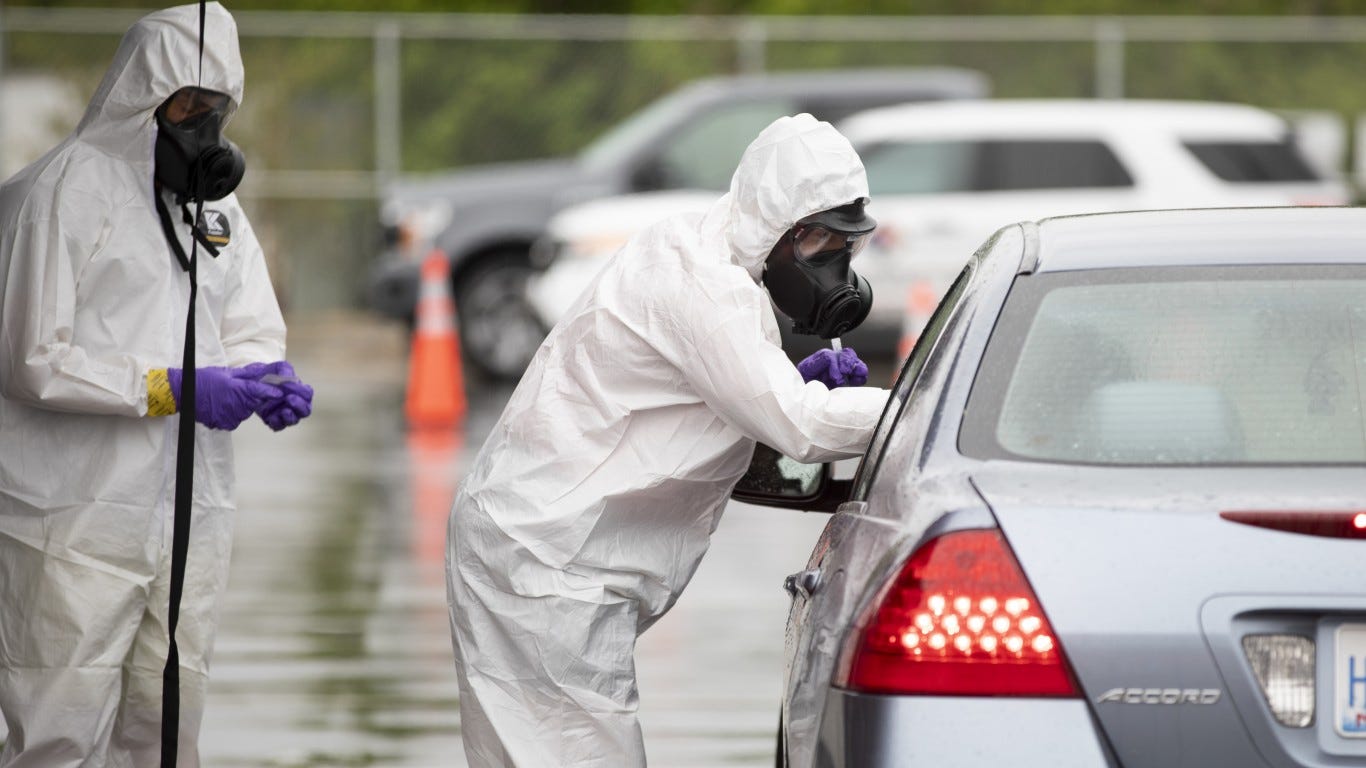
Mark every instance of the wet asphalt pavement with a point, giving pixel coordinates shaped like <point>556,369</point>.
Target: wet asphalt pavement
<point>333,647</point>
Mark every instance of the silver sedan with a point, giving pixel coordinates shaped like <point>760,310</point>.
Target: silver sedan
<point>1115,514</point>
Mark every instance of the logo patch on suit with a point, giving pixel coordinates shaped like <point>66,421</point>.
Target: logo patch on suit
<point>214,225</point>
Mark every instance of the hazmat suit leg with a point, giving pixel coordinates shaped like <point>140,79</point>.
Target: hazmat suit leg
<point>83,646</point>
<point>137,731</point>
<point>70,621</point>
<point>545,680</point>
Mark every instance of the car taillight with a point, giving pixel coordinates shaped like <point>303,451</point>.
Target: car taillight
<point>1350,524</point>
<point>959,619</point>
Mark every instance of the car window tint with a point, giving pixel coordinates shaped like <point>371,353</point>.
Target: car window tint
<point>905,384</point>
<point>1252,162</point>
<point>1228,365</point>
<point>703,155</point>
<point>1031,164</point>
<point>919,167</point>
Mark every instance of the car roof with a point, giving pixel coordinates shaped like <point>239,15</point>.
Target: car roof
<point>1023,117</point>
<point>922,82</point>
<point>1202,237</point>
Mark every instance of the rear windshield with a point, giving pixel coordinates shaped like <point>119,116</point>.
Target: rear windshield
<point>1177,366</point>
<point>1253,162</point>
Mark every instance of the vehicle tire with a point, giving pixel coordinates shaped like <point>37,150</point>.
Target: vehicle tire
<point>499,330</point>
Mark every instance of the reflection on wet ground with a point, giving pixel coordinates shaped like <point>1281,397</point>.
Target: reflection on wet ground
<point>333,647</point>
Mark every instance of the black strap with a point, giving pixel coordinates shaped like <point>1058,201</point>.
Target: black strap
<point>184,473</point>
<point>168,229</point>
<point>180,531</point>
<point>203,6</point>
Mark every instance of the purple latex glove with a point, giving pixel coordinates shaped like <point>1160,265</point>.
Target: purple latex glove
<point>834,369</point>
<point>224,397</point>
<point>296,403</point>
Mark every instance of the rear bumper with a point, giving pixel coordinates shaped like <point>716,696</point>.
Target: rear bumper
<point>866,731</point>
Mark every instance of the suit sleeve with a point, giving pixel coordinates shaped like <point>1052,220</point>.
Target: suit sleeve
<point>750,383</point>
<point>40,260</point>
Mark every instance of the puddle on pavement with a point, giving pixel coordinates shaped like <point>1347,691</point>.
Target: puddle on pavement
<point>333,647</point>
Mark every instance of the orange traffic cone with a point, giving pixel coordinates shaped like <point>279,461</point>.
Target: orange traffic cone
<point>436,386</point>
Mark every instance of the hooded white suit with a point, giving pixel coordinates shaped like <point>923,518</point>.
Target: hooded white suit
<point>91,297</point>
<point>593,501</point>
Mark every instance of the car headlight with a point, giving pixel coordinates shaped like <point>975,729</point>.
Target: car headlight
<point>587,248</point>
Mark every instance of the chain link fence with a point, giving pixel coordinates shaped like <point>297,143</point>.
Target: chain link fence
<point>339,104</point>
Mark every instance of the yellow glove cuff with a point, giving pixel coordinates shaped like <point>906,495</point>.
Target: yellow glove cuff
<point>160,401</point>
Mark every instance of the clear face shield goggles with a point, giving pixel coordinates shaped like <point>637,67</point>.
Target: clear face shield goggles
<point>811,241</point>
<point>191,102</point>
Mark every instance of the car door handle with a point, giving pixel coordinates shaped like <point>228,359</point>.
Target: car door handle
<point>804,583</point>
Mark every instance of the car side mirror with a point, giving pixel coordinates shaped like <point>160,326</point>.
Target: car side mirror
<point>774,480</point>
<point>650,175</point>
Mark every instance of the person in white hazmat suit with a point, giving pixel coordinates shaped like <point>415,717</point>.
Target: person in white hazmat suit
<point>93,307</point>
<point>593,500</point>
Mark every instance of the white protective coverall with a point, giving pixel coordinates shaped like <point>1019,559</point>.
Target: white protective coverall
<point>594,498</point>
<point>91,297</point>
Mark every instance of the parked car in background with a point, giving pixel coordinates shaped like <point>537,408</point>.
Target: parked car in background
<point>485,219</point>
<point>945,175</point>
<point>944,180</point>
<point>1111,515</point>
<point>579,240</point>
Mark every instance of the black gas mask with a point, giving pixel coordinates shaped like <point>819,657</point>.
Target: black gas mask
<point>808,273</point>
<point>193,158</point>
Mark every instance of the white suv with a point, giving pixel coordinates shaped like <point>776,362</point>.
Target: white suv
<point>944,176</point>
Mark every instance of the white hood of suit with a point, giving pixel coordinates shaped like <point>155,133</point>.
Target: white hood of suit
<point>796,167</point>
<point>158,56</point>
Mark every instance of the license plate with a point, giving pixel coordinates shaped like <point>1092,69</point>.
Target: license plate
<point>1349,668</point>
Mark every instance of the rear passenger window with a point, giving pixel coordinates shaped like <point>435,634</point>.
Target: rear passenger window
<point>920,167</point>
<point>1252,162</point>
<point>1015,165</point>
<point>942,167</point>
